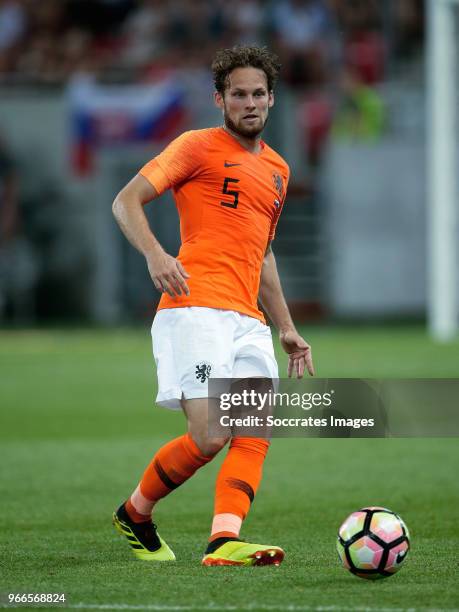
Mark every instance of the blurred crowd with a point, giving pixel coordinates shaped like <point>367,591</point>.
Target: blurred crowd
<point>335,55</point>
<point>47,41</point>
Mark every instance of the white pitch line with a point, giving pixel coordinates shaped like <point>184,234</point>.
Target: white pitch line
<point>249,607</point>
<point>233,608</point>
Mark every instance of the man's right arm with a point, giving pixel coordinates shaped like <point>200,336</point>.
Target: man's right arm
<point>167,273</point>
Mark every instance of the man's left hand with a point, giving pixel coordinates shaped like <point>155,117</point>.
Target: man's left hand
<point>299,353</point>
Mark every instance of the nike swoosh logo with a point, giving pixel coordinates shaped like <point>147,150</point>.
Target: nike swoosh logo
<point>230,165</point>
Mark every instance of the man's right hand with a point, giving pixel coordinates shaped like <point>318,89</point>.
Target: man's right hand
<point>167,273</point>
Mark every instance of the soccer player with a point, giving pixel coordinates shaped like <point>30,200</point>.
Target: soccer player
<point>229,187</point>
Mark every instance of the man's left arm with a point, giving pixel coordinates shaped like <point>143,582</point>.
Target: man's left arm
<point>273,301</point>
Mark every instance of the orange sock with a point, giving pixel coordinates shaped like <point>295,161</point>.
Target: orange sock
<point>172,465</point>
<point>237,484</point>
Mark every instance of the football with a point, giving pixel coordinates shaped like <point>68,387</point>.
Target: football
<point>373,543</point>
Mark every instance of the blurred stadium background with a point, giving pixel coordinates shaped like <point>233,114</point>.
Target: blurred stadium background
<point>91,89</point>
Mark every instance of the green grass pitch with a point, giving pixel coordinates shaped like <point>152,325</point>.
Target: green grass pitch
<point>78,426</point>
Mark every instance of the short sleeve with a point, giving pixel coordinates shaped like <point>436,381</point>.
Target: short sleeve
<point>180,160</point>
<point>272,230</point>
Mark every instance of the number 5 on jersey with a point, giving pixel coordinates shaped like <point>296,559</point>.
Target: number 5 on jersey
<point>230,192</point>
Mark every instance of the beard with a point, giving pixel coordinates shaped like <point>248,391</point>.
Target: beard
<point>246,132</point>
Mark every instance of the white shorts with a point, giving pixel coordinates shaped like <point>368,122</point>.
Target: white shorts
<point>192,343</point>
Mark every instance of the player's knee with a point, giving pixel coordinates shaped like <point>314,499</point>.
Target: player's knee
<point>209,446</point>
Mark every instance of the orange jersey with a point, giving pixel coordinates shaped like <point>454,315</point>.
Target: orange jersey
<point>229,201</point>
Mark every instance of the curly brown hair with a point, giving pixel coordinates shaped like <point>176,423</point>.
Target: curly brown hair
<point>226,60</point>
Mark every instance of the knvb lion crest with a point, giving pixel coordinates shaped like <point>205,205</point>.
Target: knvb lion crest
<point>279,185</point>
<point>203,370</point>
